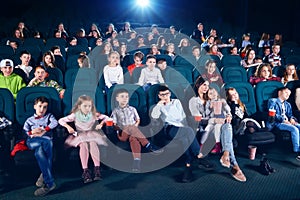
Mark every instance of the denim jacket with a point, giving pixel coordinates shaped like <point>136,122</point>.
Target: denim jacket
<point>276,104</point>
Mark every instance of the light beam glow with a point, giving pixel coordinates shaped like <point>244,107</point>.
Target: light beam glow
<point>142,3</point>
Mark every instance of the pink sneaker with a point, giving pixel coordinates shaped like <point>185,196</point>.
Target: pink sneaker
<point>217,148</point>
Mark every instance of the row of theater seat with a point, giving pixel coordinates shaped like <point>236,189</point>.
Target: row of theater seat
<point>255,100</point>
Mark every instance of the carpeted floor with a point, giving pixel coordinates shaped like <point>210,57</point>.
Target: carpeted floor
<point>165,183</point>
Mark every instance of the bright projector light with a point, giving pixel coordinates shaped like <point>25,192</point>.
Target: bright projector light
<point>142,3</point>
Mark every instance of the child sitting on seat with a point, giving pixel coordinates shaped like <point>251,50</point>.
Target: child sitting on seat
<point>127,119</point>
<point>40,80</point>
<point>219,113</point>
<point>138,59</point>
<point>150,75</point>
<point>84,115</point>
<point>39,130</point>
<point>113,72</point>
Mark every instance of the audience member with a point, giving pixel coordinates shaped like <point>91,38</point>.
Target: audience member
<point>113,72</point>
<point>9,80</point>
<point>127,120</point>
<point>150,75</point>
<point>41,80</point>
<point>263,73</point>
<point>284,119</point>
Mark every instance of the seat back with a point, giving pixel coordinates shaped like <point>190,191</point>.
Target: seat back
<point>234,74</point>
<point>25,101</point>
<point>81,81</point>
<point>229,60</point>
<point>7,105</point>
<point>250,72</point>
<point>278,71</point>
<point>179,75</point>
<point>293,85</point>
<point>56,75</point>
<point>82,76</point>
<point>76,50</point>
<point>264,91</point>
<point>6,51</point>
<point>60,63</point>
<point>71,96</point>
<point>72,62</point>
<point>136,73</point>
<point>186,61</point>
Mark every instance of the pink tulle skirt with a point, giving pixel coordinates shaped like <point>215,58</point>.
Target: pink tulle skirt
<point>86,136</point>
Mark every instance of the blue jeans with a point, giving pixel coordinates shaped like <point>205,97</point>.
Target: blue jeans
<point>42,147</point>
<point>187,138</point>
<point>147,86</point>
<point>226,141</point>
<point>294,129</point>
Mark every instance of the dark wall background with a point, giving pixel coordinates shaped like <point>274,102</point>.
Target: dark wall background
<point>229,17</point>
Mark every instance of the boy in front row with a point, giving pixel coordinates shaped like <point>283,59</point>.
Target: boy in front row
<point>39,131</point>
<point>128,120</point>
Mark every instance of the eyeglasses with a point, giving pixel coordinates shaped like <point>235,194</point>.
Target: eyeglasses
<point>164,94</point>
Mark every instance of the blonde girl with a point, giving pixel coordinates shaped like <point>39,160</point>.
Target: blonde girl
<point>88,136</point>
<point>113,72</point>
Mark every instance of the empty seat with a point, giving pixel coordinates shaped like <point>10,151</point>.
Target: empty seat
<point>234,74</point>
<point>228,60</point>
<point>186,61</point>
<point>6,51</point>
<point>7,105</point>
<point>72,62</point>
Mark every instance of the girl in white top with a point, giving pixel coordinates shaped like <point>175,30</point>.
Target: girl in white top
<point>113,72</point>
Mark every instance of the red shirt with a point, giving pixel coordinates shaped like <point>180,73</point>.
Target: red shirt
<point>132,67</point>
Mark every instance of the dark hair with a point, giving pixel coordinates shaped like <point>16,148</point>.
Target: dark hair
<point>138,54</point>
<point>41,99</point>
<point>282,88</point>
<point>161,60</point>
<point>162,88</point>
<point>121,90</point>
<point>54,47</point>
<point>150,56</point>
<point>24,52</point>
<point>200,80</point>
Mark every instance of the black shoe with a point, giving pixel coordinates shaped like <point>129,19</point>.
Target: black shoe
<point>187,175</point>
<point>154,149</point>
<point>205,164</point>
<point>271,169</point>
<point>263,168</point>
<point>136,166</point>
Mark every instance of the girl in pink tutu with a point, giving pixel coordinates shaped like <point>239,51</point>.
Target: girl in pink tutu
<point>88,136</point>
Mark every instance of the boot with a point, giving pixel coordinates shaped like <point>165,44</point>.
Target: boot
<point>97,174</point>
<point>86,176</point>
